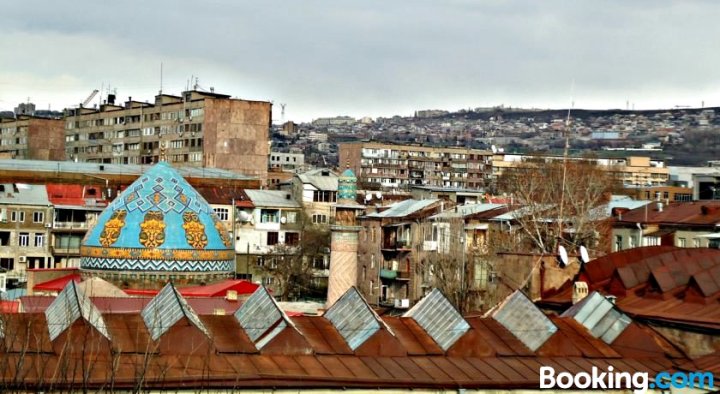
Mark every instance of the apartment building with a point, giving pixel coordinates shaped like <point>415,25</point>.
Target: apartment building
<point>285,161</point>
<point>382,165</point>
<point>76,210</point>
<point>197,129</point>
<point>25,223</point>
<point>632,170</point>
<point>29,137</point>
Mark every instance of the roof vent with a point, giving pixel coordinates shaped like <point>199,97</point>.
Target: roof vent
<point>439,318</point>
<point>580,291</point>
<point>231,295</point>
<point>354,319</point>
<point>262,318</point>
<point>524,320</point>
<point>166,309</point>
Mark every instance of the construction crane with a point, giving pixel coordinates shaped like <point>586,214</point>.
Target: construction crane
<point>90,97</point>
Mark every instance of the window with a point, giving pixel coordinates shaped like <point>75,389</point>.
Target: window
<point>269,216</point>
<point>696,242</point>
<point>260,261</point>
<point>372,261</point>
<point>682,242</point>
<point>319,218</point>
<point>291,217</point>
<point>39,240</point>
<point>222,214</point>
<point>666,195</point>
<point>651,241</point>
<point>272,238</point>
<point>38,217</point>
<point>268,280</point>
<point>292,239</point>
<point>633,241</point>
<point>323,196</point>
<point>618,242</point>
<point>4,238</point>
<point>23,239</point>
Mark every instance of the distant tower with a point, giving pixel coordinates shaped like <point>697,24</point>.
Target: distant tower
<point>344,238</point>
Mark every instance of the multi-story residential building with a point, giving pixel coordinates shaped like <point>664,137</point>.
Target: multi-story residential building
<point>270,220</point>
<point>197,129</point>
<point>706,186</point>
<point>25,222</point>
<point>316,190</point>
<point>662,193</point>
<point>28,137</point>
<point>382,165</point>
<point>284,161</point>
<point>631,171</point>
<point>391,262</point>
<point>683,224</point>
<point>76,209</point>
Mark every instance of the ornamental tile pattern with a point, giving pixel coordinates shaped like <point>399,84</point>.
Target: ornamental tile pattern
<point>158,217</point>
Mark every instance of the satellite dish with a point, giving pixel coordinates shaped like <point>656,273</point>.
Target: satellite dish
<point>244,216</point>
<point>283,220</point>
<point>368,197</point>
<point>494,149</point>
<point>378,195</point>
<point>563,255</point>
<point>584,254</point>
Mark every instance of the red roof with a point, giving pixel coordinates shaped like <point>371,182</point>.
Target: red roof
<point>219,289</point>
<point>695,213</point>
<point>664,284</point>
<point>57,284</point>
<point>76,195</point>
<point>9,306</point>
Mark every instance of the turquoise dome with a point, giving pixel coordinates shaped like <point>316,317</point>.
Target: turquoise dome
<point>347,186</point>
<point>159,223</point>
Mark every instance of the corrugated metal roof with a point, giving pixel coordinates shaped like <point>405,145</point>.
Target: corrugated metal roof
<point>316,178</point>
<point>115,169</point>
<point>524,320</point>
<point>166,309</point>
<point>439,318</point>
<point>522,211</point>
<point>272,198</point>
<point>23,194</point>
<point>71,304</point>
<point>599,316</point>
<point>262,318</point>
<point>466,210</point>
<point>353,318</point>
<point>403,208</point>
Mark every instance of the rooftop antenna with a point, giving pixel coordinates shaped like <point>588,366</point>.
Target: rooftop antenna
<point>161,78</point>
<point>282,111</point>
<point>565,156</point>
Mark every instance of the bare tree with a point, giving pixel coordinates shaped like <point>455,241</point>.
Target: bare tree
<point>293,267</point>
<point>558,205</point>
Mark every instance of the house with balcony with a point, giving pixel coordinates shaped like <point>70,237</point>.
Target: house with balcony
<point>390,252</point>
<point>76,209</point>
<point>25,222</point>
<point>267,225</point>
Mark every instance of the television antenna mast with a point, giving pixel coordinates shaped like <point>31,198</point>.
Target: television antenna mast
<point>565,157</point>
<point>282,111</point>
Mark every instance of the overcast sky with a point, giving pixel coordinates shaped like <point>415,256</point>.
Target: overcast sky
<point>366,58</point>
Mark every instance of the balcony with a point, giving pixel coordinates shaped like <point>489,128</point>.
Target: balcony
<point>401,245</point>
<point>71,225</point>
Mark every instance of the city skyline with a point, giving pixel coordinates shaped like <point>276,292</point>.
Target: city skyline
<point>372,59</point>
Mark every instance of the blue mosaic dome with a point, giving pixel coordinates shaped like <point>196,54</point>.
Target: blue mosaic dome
<point>159,224</point>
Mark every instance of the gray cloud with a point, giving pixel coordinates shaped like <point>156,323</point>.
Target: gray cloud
<point>367,58</point>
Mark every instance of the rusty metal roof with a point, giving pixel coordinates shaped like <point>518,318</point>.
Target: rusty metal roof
<point>399,353</point>
<point>662,284</point>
